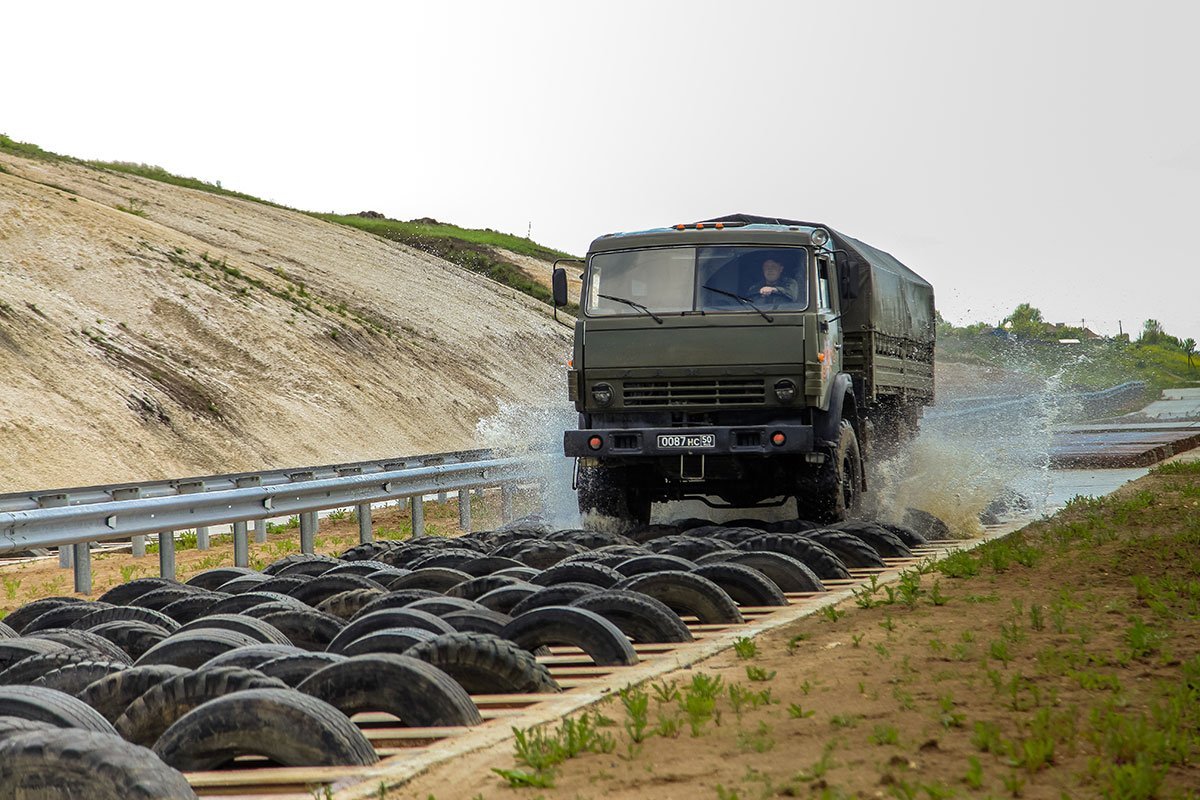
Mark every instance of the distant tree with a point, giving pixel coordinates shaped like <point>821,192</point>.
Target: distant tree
<point>1153,333</point>
<point>1189,349</point>
<point>1026,322</point>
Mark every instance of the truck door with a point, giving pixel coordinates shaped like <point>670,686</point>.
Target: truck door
<point>830,326</point>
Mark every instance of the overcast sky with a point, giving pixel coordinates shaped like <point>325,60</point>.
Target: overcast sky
<point>1044,151</point>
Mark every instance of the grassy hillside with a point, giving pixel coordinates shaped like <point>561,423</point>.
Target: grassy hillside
<point>476,250</point>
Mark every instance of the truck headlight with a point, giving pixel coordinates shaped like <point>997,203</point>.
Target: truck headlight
<point>602,393</point>
<point>785,390</point>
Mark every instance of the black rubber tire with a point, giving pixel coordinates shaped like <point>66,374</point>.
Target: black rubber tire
<point>719,557</point>
<point>504,598</point>
<point>287,727</point>
<point>543,555</point>
<point>212,579</point>
<point>853,550</point>
<point>367,551</point>
<point>640,565</point>
<point>158,599</point>
<point>281,565</point>
<point>394,599</point>
<point>84,642</point>
<point>579,572</point>
<point>686,593</point>
<point>132,636</point>
<point>601,640</point>
<point>112,694</point>
<point>305,627</point>
<point>746,585</point>
<point>792,526</point>
<point>363,568</point>
<point>74,678</point>
<point>592,540</point>
<point>386,577</point>
<point>833,491</point>
<point>441,606</point>
<point>48,705</point>
<point>65,764</point>
<point>478,620</point>
<point>7,633</point>
<point>263,609</point>
<point>905,534</point>
<point>520,573</point>
<point>388,640</point>
<point>486,565</point>
<point>190,609</point>
<point>14,650</point>
<point>63,616</point>
<point>193,648</point>
<point>10,726</point>
<point>124,594</point>
<point>736,535</point>
<point>692,547</point>
<point>450,558</point>
<point>560,594</point>
<point>816,556</point>
<point>927,525</point>
<point>881,540</point>
<point>326,586</point>
<point>147,717</point>
<point>21,616</point>
<point>293,669</point>
<point>420,694</point>
<point>28,670</point>
<point>477,587</point>
<point>789,574</point>
<point>237,603</point>
<point>284,584</point>
<point>387,618</point>
<point>344,605</point>
<point>436,579</point>
<point>640,617</point>
<point>100,616</point>
<point>486,664</point>
<point>256,629</point>
<point>243,583</point>
<point>250,657</point>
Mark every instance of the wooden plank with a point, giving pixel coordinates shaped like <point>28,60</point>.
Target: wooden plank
<point>276,776</point>
<point>395,734</point>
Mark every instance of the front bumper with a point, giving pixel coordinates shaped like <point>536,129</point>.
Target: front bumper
<point>644,442</point>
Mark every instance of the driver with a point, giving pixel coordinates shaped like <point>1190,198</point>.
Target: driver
<point>773,285</point>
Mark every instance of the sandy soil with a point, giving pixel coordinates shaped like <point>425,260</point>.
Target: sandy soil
<point>206,334</point>
<point>890,701</point>
<point>541,271</point>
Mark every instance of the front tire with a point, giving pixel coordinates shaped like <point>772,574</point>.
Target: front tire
<point>834,491</point>
<point>607,492</point>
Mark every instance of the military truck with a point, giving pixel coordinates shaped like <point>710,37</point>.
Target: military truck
<point>742,361</point>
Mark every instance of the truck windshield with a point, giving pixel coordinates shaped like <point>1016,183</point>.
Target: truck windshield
<point>674,280</point>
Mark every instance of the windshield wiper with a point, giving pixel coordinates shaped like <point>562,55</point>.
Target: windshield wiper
<point>632,304</point>
<point>739,298</point>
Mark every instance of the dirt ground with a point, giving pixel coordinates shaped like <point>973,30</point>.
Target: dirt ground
<point>149,331</point>
<point>1068,667</point>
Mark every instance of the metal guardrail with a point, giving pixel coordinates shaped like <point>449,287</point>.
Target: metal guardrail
<point>77,526</point>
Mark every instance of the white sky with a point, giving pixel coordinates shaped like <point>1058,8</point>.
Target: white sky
<point>1022,151</point>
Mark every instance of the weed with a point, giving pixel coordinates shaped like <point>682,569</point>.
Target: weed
<point>844,720</point>
<point>832,613</point>
<point>935,594</point>
<point>745,648</point>
<point>11,586</point>
<point>1014,784</point>
<point>888,623</point>
<point>759,674</point>
<point>759,741</point>
<point>998,651</point>
<point>948,717</point>
<point>793,644</point>
<point>987,738</point>
<point>795,711</point>
<point>974,776</point>
<point>665,692</point>
<point>1037,619</point>
<point>637,705</point>
<point>856,639</point>
<point>959,564</point>
<point>885,734</point>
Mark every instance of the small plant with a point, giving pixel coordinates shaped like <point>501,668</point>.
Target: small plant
<point>844,720</point>
<point>935,594</point>
<point>796,712</point>
<point>759,741</point>
<point>1014,784</point>
<point>998,650</point>
<point>759,674</point>
<point>832,613</point>
<point>745,648</point>
<point>888,623</point>
<point>637,705</point>
<point>793,644</point>
<point>856,639</point>
<point>11,586</point>
<point>885,734</point>
<point>665,692</point>
<point>987,738</point>
<point>948,716</point>
<point>974,776</point>
<point>1037,619</point>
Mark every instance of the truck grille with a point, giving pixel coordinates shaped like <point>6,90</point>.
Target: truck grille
<point>696,392</point>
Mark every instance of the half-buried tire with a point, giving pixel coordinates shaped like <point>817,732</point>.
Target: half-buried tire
<point>789,574</point>
<point>603,641</point>
<point>293,669</point>
<point>47,705</point>
<point>640,617</point>
<point>746,585</point>
<point>283,725</point>
<point>61,764</point>
<point>686,593</point>
<point>485,664</point>
<point>193,648</point>
<point>112,694</point>
<point>417,692</point>
<point>816,556</point>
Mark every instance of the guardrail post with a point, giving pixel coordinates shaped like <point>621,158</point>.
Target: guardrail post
<point>441,498</point>
<point>137,544</point>
<point>83,568</point>
<point>308,531</point>
<point>58,501</point>
<point>260,530</point>
<point>166,554</point>
<point>464,510</point>
<point>195,487</point>
<point>507,492</point>
<point>418,516</point>
<point>365,533</point>
<point>241,545</point>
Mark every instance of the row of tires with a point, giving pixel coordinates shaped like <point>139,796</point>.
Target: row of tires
<point>274,663</point>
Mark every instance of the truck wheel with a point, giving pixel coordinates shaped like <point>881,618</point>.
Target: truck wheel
<point>834,491</point>
<point>605,493</point>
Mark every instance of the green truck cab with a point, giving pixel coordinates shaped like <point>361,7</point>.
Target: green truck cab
<point>742,361</point>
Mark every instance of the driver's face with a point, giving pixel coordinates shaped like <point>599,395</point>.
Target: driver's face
<point>772,270</point>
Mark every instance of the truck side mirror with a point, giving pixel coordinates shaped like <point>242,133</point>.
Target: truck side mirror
<point>848,277</point>
<point>559,284</point>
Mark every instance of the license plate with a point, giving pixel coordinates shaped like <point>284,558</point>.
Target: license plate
<point>670,441</point>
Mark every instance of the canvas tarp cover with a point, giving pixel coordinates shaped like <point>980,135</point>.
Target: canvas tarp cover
<point>892,299</point>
